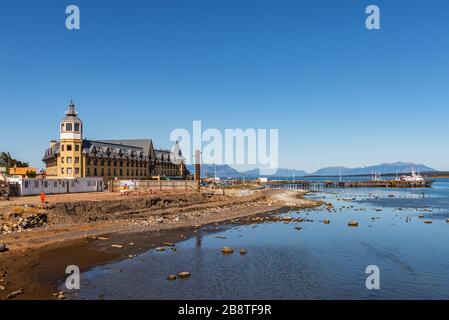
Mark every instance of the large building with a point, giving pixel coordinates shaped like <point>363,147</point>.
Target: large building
<point>75,157</point>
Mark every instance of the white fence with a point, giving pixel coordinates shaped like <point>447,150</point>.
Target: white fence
<point>28,187</point>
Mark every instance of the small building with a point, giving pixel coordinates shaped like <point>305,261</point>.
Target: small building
<point>21,172</point>
<point>263,180</point>
<point>213,180</point>
<point>30,187</point>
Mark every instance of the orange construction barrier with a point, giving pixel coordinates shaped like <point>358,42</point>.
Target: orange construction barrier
<point>43,197</point>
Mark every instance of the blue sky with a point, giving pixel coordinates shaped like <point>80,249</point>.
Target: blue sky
<point>338,93</point>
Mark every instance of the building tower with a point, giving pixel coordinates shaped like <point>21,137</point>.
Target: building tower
<point>70,144</point>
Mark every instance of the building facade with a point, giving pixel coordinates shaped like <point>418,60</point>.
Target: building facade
<point>75,157</point>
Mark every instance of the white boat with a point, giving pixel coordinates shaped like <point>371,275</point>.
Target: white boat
<point>413,178</point>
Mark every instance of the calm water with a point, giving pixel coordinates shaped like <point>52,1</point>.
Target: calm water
<point>318,262</point>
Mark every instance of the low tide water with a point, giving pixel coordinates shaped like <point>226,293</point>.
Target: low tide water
<point>320,261</point>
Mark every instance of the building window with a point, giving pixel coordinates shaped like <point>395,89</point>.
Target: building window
<point>77,147</point>
<point>77,127</point>
<point>62,147</point>
<point>36,184</point>
<point>69,170</point>
<point>55,184</point>
<point>69,159</point>
<point>77,170</point>
<point>46,184</point>
<point>95,171</point>
<point>68,127</point>
<point>69,147</point>
<point>62,127</point>
<point>62,159</point>
<point>62,170</point>
<point>77,160</point>
<point>88,171</point>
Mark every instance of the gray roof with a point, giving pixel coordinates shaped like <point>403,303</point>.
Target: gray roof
<point>102,149</point>
<point>51,152</point>
<point>134,148</point>
<point>145,144</point>
<point>111,149</point>
<point>162,154</point>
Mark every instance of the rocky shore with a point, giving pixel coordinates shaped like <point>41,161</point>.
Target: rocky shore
<point>41,241</point>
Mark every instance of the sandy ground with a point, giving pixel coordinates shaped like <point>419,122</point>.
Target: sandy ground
<point>37,258</point>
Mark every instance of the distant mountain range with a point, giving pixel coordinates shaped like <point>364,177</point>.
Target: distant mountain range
<point>227,171</point>
<point>281,172</point>
<point>384,168</point>
<point>222,170</point>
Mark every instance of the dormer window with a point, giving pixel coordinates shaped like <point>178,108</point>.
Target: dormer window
<point>77,127</point>
<point>68,126</point>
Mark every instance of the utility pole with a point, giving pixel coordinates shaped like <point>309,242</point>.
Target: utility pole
<point>198,168</point>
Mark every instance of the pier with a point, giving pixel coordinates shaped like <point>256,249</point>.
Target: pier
<point>324,185</point>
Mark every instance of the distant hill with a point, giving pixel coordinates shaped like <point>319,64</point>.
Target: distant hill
<point>331,171</point>
<point>281,172</point>
<point>227,171</point>
<point>384,168</point>
<point>221,170</point>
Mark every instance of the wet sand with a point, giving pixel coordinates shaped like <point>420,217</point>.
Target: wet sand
<point>37,259</point>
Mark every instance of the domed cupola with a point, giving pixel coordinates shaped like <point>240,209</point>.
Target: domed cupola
<point>71,126</point>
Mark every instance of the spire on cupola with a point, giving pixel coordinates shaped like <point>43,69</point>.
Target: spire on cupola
<point>71,109</point>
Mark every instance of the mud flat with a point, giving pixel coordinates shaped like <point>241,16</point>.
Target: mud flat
<point>91,232</point>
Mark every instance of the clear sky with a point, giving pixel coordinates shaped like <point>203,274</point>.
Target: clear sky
<point>338,93</point>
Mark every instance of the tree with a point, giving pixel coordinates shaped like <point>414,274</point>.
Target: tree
<point>7,161</point>
<point>31,174</point>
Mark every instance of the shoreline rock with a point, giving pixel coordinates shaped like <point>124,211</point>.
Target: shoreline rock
<point>3,247</point>
<point>353,223</point>
<point>227,250</point>
<point>184,275</point>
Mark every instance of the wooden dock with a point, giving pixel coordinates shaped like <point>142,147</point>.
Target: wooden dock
<point>323,185</point>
